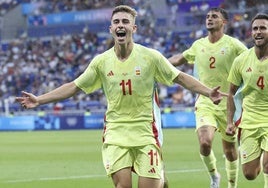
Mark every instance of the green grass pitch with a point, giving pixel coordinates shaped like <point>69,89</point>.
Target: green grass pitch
<point>72,159</point>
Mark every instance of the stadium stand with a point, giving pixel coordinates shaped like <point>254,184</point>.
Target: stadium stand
<point>54,41</point>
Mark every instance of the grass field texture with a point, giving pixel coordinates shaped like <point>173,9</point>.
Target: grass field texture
<point>72,159</point>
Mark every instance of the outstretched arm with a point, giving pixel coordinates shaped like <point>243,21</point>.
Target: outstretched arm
<point>177,59</point>
<point>231,128</point>
<point>29,100</point>
<point>192,84</point>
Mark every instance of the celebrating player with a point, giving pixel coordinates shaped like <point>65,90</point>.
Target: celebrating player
<point>249,72</point>
<point>212,57</point>
<point>127,73</point>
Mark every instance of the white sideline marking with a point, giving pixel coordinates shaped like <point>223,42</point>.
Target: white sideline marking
<point>55,178</point>
<point>92,176</point>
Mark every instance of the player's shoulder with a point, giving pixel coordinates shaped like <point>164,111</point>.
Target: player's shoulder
<point>231,39</point>
<point>200,41</point>
<point>146,51</point>
<point>140,47</point>
<point>234,43</point>
<point>246,54</point>
<point>108,54</point>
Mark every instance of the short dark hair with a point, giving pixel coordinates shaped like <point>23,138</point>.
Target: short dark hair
<point>222,11</point>
<point>259,16</point>
<point>125,8</point>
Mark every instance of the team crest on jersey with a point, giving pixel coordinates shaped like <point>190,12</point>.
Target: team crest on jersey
<point>223,51</point>
<point>107,165</point>
<point>244,155</point>
<point>137,71</point>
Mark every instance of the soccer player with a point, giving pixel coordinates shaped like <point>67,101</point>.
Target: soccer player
<point>128,73</point>
<point>249,72</point>
<point>212,57</point>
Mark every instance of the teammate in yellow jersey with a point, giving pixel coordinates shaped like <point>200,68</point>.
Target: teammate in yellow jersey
<point>249,73</point>
<point>128,73</point>
<point>212,57</point>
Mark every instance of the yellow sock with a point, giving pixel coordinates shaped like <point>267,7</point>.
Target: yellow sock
<point>210,163</point>
<point>232,172</point>
<point>265,180</point>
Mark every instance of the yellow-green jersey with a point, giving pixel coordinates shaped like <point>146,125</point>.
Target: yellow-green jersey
<point>129,88</point>
<point>250,73</point>
<point>212,62</point>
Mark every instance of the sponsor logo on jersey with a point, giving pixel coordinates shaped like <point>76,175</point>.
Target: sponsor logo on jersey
<point>249,69</point>
<point>110,73</point>
<point>152,170</point>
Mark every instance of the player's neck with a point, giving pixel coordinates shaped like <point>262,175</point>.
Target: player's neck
<point>215,36</point>
<point>123,51</point>
<point>262,52</point>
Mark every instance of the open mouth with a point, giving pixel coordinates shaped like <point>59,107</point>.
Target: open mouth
<point>258,38</point>
<point>120,33</point>
<point>209,24</point>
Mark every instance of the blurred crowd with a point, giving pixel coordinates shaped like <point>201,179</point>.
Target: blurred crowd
<point>39,65</point>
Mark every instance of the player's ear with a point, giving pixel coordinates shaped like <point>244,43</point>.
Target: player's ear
<point>225,22</point>
<point>135,28</point>
<point>110,29</point>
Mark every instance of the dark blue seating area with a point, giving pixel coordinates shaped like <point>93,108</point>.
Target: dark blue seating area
<point>59,30</point>
<point>54,54</point>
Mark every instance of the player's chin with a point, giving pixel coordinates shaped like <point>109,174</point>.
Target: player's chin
<point>230,133</point>
<point>121,40</point>
<point>216,102</point>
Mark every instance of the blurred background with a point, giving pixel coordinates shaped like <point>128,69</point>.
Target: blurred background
<point>47,43</point>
